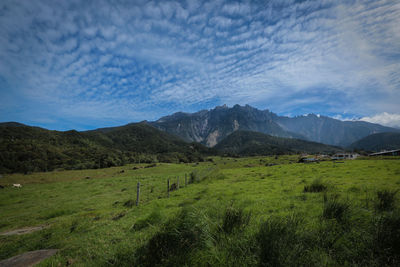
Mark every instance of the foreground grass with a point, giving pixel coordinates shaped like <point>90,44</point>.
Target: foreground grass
<point>236,212</point>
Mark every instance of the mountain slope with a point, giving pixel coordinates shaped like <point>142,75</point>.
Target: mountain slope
<point>246,143</point>
<point>209,127</point>
<point>25,148</point>
<point>378,142</point>
<point>330,131</point>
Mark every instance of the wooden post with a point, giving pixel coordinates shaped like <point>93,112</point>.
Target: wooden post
<point>168,187</point>
<point>177,182</point>
<point>185,180</point>
<point>138,194</point>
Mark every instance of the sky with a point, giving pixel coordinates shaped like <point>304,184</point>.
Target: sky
<point>88,64</point>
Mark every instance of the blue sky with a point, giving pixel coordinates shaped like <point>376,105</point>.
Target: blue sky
<point>87,64</point>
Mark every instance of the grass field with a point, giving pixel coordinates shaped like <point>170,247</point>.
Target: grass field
<point>262,211</point>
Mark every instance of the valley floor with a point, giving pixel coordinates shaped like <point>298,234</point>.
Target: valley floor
<point>233,212</point>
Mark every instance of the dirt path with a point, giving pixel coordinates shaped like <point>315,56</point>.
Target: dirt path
<point>26,230</point>
<point>29,258</point>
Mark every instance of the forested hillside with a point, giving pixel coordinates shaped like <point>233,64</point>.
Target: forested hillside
<point>246,143</point>
<point>26,149</point>
<point>378,142</point>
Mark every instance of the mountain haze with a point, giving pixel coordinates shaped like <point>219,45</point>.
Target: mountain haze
<point>327,130</point>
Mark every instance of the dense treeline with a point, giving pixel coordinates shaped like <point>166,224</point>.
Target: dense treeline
<point>246,143</point>
<point>28,149</point>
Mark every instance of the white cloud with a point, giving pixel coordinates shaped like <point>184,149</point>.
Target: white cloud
<point>220,22</point>
<point>386,119</point>
<point>336,55</point>
<point>236,9</point>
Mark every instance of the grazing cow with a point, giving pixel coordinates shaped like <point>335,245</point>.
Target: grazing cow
<point>17,185</point>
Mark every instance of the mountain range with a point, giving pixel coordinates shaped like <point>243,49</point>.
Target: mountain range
<point>209,127</point>
<point>186,137</point>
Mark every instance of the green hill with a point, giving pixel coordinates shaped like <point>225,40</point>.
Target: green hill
<point>26,149</point>
<point>378,142</point>
<point>246,143</point>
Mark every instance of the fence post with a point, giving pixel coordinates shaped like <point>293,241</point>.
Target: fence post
<point>168,187</point>
<point>185,180</point>
<point>138,194</point>
<point>177,182</point>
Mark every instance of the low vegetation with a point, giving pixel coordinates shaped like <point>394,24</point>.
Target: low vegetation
<point>261,211</point>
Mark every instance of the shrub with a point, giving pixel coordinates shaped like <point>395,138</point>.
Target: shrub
<point>316,186</point>
<point>386,200</point>
<point>235,218</point>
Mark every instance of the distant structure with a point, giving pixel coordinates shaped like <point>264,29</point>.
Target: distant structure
<point>340,156</point>
<point>307,160</point>
<point>395,152</point>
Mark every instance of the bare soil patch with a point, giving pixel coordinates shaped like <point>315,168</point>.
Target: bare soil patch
<point>25,230</point>
<point>29,258</point>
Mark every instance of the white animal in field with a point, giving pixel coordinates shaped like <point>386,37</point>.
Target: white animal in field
<point>17,185</point>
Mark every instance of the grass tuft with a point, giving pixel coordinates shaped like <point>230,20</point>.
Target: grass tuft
<point>118,216</point>
<point>279,243</point>
<point>316,186</point>
<point>57,213</point>
<point>335,209</point>
<point>153,218</point>
<point>385,243</point>
<point>129,203</point>
<point>235,218</point>
<point>385,200</point>
<point>174,245</point>
<point>205,174</point>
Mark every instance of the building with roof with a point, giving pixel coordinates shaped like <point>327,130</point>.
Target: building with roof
<point>395,152</point>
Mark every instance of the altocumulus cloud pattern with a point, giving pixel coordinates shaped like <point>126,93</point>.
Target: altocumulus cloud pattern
<point>84,64</point>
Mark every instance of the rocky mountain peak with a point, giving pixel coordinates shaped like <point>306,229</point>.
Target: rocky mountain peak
<point>211,126</point>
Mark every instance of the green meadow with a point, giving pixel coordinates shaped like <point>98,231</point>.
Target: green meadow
<point>258,211</point>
